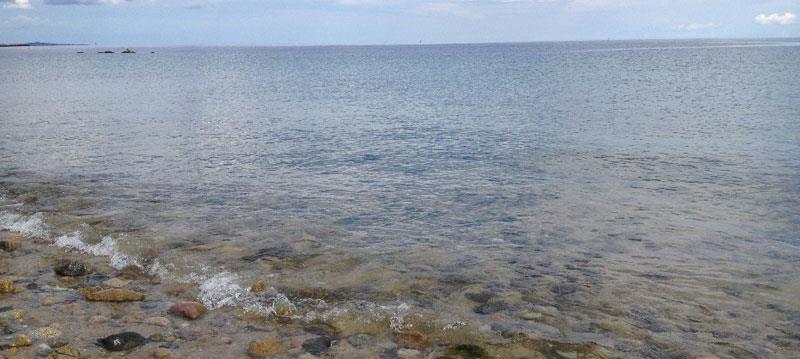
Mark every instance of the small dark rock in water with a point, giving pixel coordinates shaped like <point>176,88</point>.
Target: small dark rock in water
<point>9,246</point>
<point>360,340</point>
<point>122,341</point>
<point>467,351</point>
<point>27,199</point>
<point>317,346</point>
<point>412,340</point>
<point>491,307</point>
<point>563,289</point>
<point>71,268</point>
<point>479,297</point>
<point>132,272</point>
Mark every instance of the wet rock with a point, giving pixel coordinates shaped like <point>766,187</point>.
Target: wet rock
<point>116,283</point>
<point>132,272</point>
<point>71,268</point>
<point>4,267</point>
<point>466,351</point>
<point>259,287</point>
<point>48,301</point>
<point>409,354</point>
<point>162,353</point>
<point>22,341</point>
<point>98,319</point>
<point>8,287</point>
<point>563,289</point>
<point>26,199</point>
<point>360,340</point>
<point>412,340</point>
<point>65,352</point>
<point>122,341</point>
<point>43,350</point>
<point>46,333</point>
<point>189,310</point>
<point>9,245</point>
<point>530,315</point>
<point>266,348</point>
<point>98,294</point>
<point>158,321</point>
<point>479,297</point>
<point>317,346</point>
<point>491,307</point>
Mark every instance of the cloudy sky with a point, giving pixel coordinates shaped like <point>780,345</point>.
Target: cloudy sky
<point>309,22</point>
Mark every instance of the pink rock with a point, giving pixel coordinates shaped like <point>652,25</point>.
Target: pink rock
<point>190,310</point>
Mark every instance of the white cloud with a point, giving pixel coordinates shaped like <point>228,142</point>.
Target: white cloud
<point>785,19</point>
<point>16,4</point>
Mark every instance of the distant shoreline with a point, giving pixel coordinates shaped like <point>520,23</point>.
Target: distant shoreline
<point>31,44</point>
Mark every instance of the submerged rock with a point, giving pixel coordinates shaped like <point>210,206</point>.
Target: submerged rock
<point>26,199</point>
<point>9,245</point>
<point>412,340</point>
<point>8,287</point>
<point>318,345</point>
<point>158,321</point>
<point>4,267</point>
<point>491,307</point>
<point>466,351</point>
<point>116,283</point>
<point>46,333</point>
<point>98,294</point>
<point>479,297</point>
<point>266,348</point>
<point>360,340</point>
<point>189,310</point>
<point>71,268</point>
<point>132,272</point>
<point>122,341</point>
<point>65,352</point>
<point>22,341</point>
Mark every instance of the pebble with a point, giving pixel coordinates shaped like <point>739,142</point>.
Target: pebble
<point>97,294</point>
<point>46,332</point>
<point>132,272</point>
<point>65,352</point>
<point>258,287</point>
<point>48,301</point>
<point>409,354</point>
<point>318,345</point>
<point>412,340</point>
<point>158,321</point>
<point>266,348</point>
<point>26,199</point>
<point>491,307</point>
<point>360,340</point>
<point>122,341</point>
<point>479,297</point>
<point>43,350</point>
<point>71,268</point>
<point>22,341</point>
<point>4,267</point>
<point>189,310</point>
<point>530,315</point>
<point>8,287</point>
<point>98,319</point>
<point>162,353</point>
<point>9,246</point>
<point>116,283</point>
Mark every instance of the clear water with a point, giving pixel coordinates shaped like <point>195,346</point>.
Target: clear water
<point>653,185</point>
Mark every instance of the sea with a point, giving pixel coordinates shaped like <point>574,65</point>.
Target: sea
<point>640,195</point>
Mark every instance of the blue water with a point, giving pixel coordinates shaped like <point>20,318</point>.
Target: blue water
<point>643,176</point>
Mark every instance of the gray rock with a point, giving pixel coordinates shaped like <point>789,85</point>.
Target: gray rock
<point>318,345</point>
<point>71,268</point>
<point>479,297</point>
<point>122,341</point>
<point>360,340</point>
<point>491,307</point>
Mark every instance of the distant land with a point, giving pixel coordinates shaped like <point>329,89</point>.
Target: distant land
<point>39,44</point>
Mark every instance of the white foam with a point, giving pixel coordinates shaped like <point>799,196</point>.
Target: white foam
<point>107,247</point>
<point>221,290</point>
<point>31,226</point>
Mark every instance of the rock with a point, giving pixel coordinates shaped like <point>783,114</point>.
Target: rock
<point>48,301</point>
<point>158,321</point>
<point>479,297</point>
<point>71,268</point>
<point>412,340</point>
<point>491,307</point>
<point>122,341</point>
<point>43,350</point>
<point>22,341</point>
<point>26,199</point>
<point>162,353</point>
<point>46,333</point>
<point>563,289</point>
<point>467,351</point>
<point>259,287</point>
<point>189,310</point>
<point>8,287</point>
<point>132,272</point>
<point>266,348</point>
<point>318,345</point>
<point>530,315</point>
<point>65,352</point>
<point>360,340</point>
<point>98,294</point>
<point>98,319</point>
<point>409,354</point>
<point>116,283</point>
<point>9,246</point>
<point>4,267</point>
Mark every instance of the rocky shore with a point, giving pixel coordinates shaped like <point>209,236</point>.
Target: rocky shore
<point>60,304</point>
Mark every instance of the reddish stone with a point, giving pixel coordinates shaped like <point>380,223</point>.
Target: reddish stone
<point>190,310</point>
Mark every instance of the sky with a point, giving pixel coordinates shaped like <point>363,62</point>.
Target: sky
<point>353,22</point>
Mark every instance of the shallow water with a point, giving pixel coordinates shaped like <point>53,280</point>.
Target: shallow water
<point>643,196</point>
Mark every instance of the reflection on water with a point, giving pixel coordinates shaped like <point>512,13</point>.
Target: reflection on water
<point>645,200</point>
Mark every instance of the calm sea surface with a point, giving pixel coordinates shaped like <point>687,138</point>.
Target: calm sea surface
<point>642,195</point>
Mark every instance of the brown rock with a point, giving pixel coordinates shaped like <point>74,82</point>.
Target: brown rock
<point>26,199</point>
<point>132,272</point>
<point>266,348</point>
<point>98,294</point>
<point>158,321</point>
<point>190,310</point>
<point>412,340</point>
<point>162,353</point>
<point>8,287</point>
<point>22,341</point>
<point>9,245</point>
<point>4,267</point>
<point>259,287</point>
<point>65,352</point>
